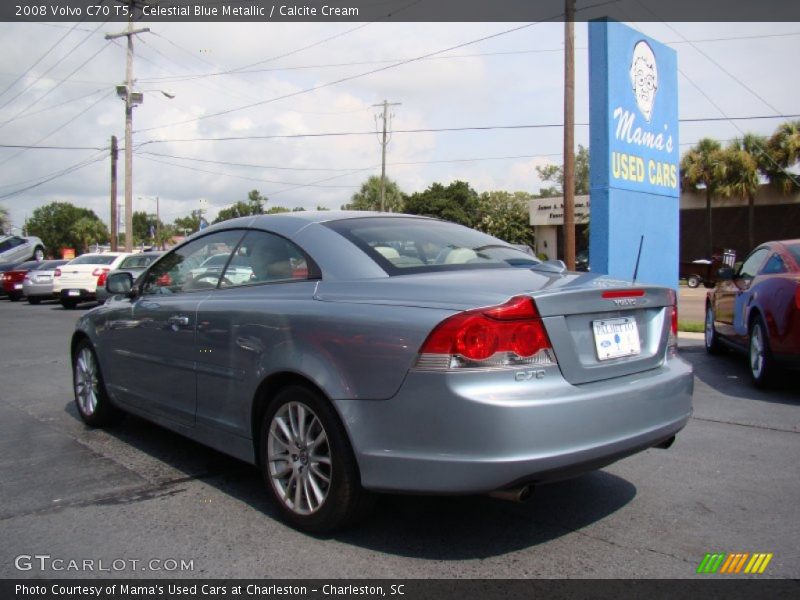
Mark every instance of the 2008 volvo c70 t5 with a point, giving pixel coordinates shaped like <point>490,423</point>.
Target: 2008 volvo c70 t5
<point>346,353</point>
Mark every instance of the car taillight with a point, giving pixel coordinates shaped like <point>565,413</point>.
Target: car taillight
<point>672,341</point>
<point>511,334</point>
<point>57,273</point>
<point>101,273</point>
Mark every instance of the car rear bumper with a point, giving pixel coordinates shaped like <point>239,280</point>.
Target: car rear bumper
<point>75,294</point>
<point>469,433</point>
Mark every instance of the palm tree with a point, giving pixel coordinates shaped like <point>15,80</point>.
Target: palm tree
<point>784,148</point>
<point>747,161</point>
<point>90,231</point>
<point>703,167</point>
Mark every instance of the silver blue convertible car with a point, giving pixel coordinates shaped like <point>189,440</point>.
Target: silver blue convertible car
<point>346,353</point>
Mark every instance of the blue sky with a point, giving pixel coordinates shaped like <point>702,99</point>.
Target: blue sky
<point>515,78</point>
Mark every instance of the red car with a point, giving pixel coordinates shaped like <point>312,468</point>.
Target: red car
<point>756,310</point>
<point>12,280</point>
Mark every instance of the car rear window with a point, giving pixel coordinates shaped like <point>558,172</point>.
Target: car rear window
<point>27,266</point>
<point>413,245</point>
<point>94,259</point>
<point>139,261</point>
<point>49,265</point>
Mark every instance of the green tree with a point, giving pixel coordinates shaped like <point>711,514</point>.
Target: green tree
<point>5,220</point>
<point>164,234</point>
<point>746,162</point>
<point>457,202</point>
<point>784,149</point>
<point>555,174</point>
<point>253,206</point>
<point>90,231</point>
<point>55,224</point>
<point>703,167</point>
<point>142,224</point>
<point>369,196</point>
<point>189,224</point>
<point>506,216</point>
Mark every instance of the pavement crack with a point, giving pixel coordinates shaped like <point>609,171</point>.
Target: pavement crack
<point>764,427</point>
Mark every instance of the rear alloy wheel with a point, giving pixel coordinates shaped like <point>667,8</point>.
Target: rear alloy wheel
<point>761,362</point>
<point>693,281</point>
<point>713,345</point>
<point>93,403</point>
<point>307,462</point>
<point>38,254</point>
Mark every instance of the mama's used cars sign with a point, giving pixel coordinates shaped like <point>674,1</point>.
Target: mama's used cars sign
<point>634,153</point>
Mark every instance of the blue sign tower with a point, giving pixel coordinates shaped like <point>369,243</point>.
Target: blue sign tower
<point>634,168</point>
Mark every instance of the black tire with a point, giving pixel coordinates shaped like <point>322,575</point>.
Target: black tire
<point>38,254</point>
<point>69,304</point>
<point>293,477</point>
<point>14,297</point>
<point>91,399</point>
<point>712,343</point>
<point>693,281</point>
<point>34,300</point>
<point>762,364</point>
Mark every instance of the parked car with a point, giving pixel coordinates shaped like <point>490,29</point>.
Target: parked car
<point>78,280</point>
<point>135,264</point>
<point>4,268</point>
<point>15,248</point>
<point>756,310</point>
<point>408,354</point>
<point>38,282</point>
<point>13,279</point>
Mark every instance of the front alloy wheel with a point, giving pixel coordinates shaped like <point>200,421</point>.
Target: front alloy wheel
<point>760,357</point>
<point>308,463</point>
<point>91,399</point>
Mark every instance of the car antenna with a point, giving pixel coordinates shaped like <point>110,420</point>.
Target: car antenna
<point>638,256</point>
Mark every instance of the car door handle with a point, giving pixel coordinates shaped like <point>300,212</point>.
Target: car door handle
<point>178,321</point>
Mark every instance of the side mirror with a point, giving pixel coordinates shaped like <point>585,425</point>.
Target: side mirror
<point>120,283</point>
<point>725,274</point>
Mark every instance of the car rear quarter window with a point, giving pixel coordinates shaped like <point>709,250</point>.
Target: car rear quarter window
<point>412,245</point>
<point>794,250</point>
<point>95,259</point>
<point>774,265</point>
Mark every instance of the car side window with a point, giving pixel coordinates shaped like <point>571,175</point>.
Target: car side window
<point>197,265</point>
<point>750,266</point>
<point>265,257</point>
<point>774,266</point>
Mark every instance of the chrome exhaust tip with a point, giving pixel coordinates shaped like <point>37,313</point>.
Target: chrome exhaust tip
<point>517,494</point>
<point>666,443</point>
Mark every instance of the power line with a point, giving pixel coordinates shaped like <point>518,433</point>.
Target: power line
<point>59,128</point>
<point>431,130</point>
<point>55,87</point>
<point>67,171</point>
<point>38,60</point>
<point>338,81</point>
<point>53,66</point>
<point>454,56</point>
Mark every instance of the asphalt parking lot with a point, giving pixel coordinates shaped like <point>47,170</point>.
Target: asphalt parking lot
<point>138,493</point>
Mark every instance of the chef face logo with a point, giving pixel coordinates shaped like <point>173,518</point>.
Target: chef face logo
<point>644,78</point>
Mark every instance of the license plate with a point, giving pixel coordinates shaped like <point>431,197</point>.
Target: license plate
<point>17,286</point>
<point>614,338</point>
<point>74,293</point>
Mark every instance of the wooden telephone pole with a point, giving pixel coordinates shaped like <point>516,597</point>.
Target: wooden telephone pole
<point>569,134</point>
<point>384,142</point>
<point>114,218</point>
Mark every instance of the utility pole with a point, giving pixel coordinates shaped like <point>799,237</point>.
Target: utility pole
<point>158,223</point>
<point>569,134</point>
<point>114,157</point>
<point>131,99</point>
<point>384,142</point>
